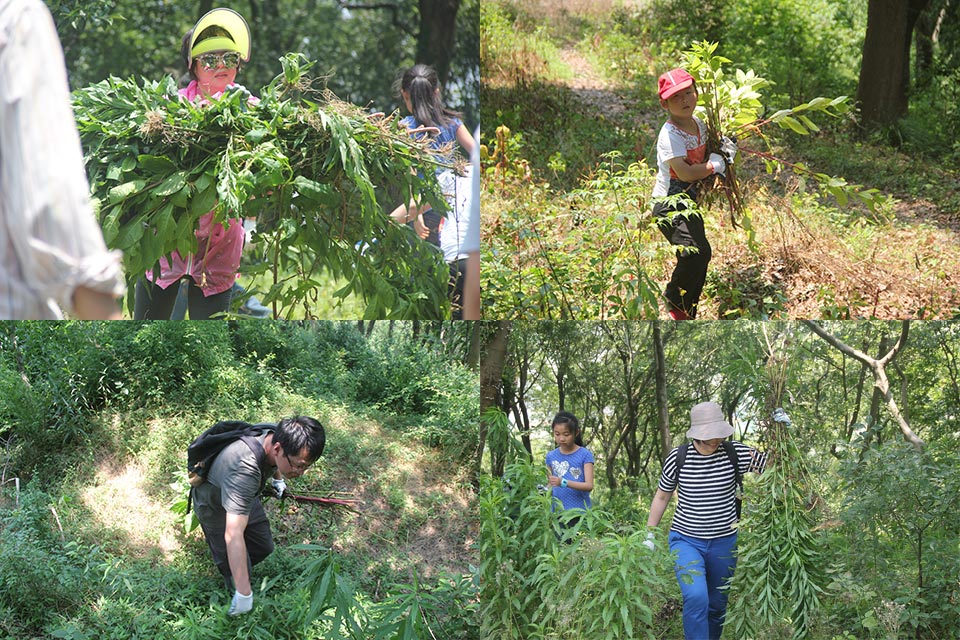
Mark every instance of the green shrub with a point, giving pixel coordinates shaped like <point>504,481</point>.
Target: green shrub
<point>600,581</point>
<point>41,574</point>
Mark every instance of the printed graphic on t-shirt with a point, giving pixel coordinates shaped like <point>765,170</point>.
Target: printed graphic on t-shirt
<point>561,467</point>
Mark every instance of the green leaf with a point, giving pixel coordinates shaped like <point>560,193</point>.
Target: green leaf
<point>172,184</point>
<point>204,201</point>
<point>155,164</point>
<point>166,226</point>
<point>125,190</point>
<point>793,124</point>
<point>129,234</point>
<point>808,123</point>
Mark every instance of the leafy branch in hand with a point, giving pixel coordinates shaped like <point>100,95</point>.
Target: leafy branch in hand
<point>732,106</point>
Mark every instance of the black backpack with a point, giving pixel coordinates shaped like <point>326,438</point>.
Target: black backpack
<point>208,445</point>
<point>734,461</point>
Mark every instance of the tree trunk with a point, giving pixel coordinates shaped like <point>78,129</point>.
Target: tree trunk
<point>660,380</point>
<point>878,368</point>
<point>437,37</point>
<point>205,7</point>
<point>885,68</point>
<point>491,372</point>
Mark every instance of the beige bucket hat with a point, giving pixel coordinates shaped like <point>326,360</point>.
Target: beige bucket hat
<point>707,422</point>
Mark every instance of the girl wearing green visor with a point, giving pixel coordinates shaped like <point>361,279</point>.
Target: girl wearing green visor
<point>212,52</point>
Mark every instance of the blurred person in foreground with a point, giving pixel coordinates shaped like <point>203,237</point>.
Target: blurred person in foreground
<point>53,259</point>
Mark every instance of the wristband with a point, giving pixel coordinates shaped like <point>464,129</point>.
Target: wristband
<point>563,483</point>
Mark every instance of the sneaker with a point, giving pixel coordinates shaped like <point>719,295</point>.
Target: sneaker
<point>253,308</point>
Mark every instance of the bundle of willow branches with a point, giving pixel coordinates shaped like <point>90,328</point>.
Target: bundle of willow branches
<point>780,577</point>
<point>317,173</point>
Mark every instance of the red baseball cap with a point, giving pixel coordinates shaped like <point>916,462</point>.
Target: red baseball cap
<point>673,81</point>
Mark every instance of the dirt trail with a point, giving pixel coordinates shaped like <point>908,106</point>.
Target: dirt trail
<point>593,90</point>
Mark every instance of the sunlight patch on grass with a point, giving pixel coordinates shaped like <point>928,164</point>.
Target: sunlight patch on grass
<point>121,506</point>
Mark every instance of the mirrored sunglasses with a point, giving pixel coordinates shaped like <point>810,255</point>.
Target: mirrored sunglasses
<point>210,61</point>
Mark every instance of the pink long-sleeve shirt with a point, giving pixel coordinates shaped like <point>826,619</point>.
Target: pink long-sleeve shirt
<point>214,266</point>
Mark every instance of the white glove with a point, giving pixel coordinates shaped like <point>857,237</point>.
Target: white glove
<point>728,147</point>
<point>279,486</point>
<point>649,543</point>
<point>779,415</point>
<point>716,161</point>
<point>241,603</point>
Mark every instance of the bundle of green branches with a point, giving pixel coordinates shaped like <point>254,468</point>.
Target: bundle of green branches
<point>317,174</point>
<point>733,108</point>
<point>779,579</point>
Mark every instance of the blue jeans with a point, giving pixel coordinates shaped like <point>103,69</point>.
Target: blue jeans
<point>710,564</point>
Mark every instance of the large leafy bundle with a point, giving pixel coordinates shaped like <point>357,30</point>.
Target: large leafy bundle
<point>317,174</point>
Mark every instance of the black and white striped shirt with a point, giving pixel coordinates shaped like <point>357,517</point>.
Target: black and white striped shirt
<point>706,505</point>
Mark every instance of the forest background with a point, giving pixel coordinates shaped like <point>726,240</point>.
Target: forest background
<point>95,419</point>
<point>571,117</point>
<point>871,451</point>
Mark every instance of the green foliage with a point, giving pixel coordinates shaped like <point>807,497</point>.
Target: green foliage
<point>805,47</point>
<point>780,572</point>
<point>582,256</point>
<point>41,573</point>
<point>310,172</point>
<point>903,503</point>
<point>540,579</point>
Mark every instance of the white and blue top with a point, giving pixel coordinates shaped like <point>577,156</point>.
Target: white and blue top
<point>570,466</point>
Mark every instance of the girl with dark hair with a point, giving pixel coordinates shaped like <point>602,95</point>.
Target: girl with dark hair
<point>570,465</point>
<point>420,89</point>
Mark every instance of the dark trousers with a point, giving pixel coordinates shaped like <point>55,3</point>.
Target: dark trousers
<point>153,303</point>
<point>685,231</point>
<point>257,536</point>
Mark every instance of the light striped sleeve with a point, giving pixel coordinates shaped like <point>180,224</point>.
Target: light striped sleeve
<point>667,482</point>
<point>51,242</point>
<point>751,460</point>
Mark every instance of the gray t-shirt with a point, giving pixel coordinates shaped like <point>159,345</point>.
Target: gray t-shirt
<point>234,481</point>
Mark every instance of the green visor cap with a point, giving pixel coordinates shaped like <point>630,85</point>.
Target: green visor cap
<point>231,22</point>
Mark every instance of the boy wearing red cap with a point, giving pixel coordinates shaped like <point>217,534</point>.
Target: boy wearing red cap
<point>682,162</point>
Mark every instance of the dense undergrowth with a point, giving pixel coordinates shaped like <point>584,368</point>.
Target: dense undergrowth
<point>569,172</point>
<point>95,420</point>
<point>884,546</point>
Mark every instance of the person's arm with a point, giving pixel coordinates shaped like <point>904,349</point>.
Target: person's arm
<point>237,552</point>
<point>89,304</point>
<point>56,238</point>
<point>657,506</point>
<point>465,139</point>
<point>404,213</point>
<point>690,172</point>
